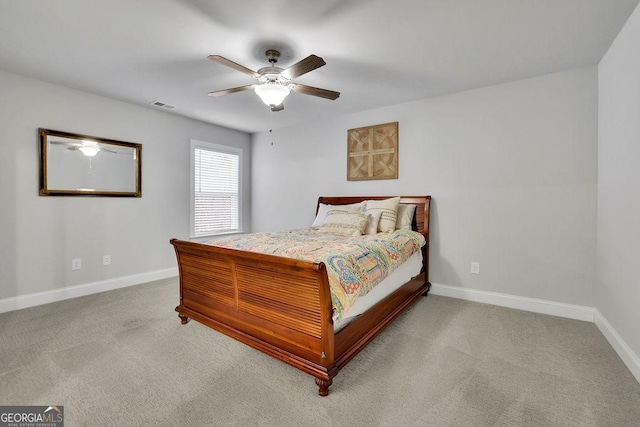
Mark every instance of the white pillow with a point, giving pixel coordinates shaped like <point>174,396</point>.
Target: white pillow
<point>372,224</point>
<point>324,208</point>
<point>345,223</point>
<point>404,218</point>
<point>389,212</point>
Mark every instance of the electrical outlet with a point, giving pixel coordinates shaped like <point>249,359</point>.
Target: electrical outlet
<point>106,259</point>
<point>475,268</point>
<point>76,264</point>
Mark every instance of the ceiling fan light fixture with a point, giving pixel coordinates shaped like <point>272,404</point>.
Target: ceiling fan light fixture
<point>272,93</point>
<point>89,148</point>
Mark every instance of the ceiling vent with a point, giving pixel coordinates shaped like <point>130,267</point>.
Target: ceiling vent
<point>162,105</point>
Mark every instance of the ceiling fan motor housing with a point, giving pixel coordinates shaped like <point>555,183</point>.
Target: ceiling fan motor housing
<point>272,75</point>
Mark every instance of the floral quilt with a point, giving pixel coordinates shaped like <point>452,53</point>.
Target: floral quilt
<point>354,264</point>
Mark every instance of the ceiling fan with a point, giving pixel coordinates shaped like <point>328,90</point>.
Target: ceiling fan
<point>88,147</point>
<point>275,82</point>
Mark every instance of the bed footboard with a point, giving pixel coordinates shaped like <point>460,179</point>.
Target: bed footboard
<point>277,305</point>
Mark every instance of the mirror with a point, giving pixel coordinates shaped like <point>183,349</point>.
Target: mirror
<point>82,165</point>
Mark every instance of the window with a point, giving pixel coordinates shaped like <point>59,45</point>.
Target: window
<point>215,189</point>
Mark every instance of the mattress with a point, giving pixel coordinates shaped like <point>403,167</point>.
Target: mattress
<point>401,275</point>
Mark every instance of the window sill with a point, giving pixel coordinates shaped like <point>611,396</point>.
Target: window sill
<point>208,237</point>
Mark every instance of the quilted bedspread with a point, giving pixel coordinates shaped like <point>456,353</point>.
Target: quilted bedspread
<point>354,264</point>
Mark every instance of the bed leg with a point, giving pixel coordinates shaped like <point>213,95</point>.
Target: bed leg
<point>425,293</point>
<point>183,319</point>
<point>323,386</point>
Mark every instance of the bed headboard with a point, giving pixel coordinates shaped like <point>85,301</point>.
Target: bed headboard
<point>420,220</point>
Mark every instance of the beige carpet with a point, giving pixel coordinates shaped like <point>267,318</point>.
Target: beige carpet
<point>122,358</point>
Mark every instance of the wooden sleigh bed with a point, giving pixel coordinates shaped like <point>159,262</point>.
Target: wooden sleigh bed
<point>282,306</point>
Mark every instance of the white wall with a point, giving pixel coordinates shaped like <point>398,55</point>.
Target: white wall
<point>618,291</point>
<point>40,235</point>
<point>512,172</point>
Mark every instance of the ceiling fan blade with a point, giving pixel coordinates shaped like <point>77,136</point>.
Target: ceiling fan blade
<point>315,91</point>
<point>72,144</point>
<point>309,63</point>
<point>277,107</point>
<point>231,90</point>
<point>229,63</point>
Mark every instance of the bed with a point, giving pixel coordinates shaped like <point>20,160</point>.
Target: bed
<point>283,306</point>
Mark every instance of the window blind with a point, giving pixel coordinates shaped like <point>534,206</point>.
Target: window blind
<point>216,192</point>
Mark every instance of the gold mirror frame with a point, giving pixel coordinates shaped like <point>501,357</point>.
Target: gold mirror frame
<point>81,165</point>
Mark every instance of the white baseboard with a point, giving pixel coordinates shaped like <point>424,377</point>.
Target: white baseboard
<point>619,345</point>
<point>552,308</point>
<point>31,300</point>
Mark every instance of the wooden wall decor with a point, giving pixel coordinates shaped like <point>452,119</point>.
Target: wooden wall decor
<point>372,152</point>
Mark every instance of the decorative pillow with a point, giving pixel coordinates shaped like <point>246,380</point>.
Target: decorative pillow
<point>345,223</point>
<point>405,217</point>
<point>389,212</point>
<point>372,224</point>
<point>324,208</point>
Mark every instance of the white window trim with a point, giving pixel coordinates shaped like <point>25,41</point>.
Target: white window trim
<point>223,149</point>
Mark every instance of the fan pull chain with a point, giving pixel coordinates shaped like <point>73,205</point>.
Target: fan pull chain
<point>271,125</point>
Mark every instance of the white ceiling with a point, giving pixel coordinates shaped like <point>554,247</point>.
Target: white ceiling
<point>378,52</point>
